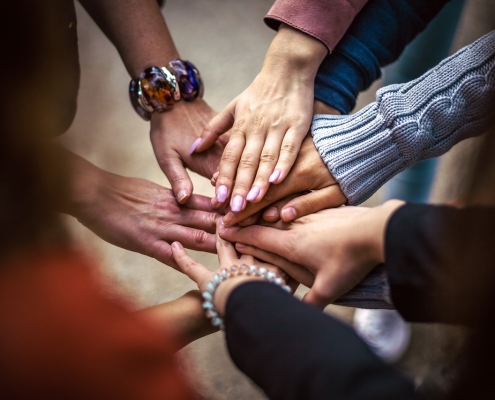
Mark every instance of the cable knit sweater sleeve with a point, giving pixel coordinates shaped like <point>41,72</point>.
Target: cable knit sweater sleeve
<point>410,122</point>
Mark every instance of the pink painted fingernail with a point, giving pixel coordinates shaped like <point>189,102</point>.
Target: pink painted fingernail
<point>177,246</point>
<point>274,176</point>
<point>289,214</point>
<point>195,145</point>
<point>240,245</point>
<point>222,192</point>
<point>253,193</point>
<point>237,203</point>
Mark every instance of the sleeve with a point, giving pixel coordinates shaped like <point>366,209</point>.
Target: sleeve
<point>325,20</point>
<point>294,351</point>
<point>409,122</point>
<point>439,261</point>
<point>375,39</point>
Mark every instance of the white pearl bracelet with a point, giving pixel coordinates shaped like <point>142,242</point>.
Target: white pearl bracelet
<point>211,287</point>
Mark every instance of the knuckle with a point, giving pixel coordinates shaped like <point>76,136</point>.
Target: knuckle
<point>267,158</point>
<point>201,237</point>
<point>288,148</point>
<point>248,162</point>
<point>229,155</point>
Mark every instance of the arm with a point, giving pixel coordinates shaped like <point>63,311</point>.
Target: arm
<point>376,38</point>
<point>438,257</point>
<point>294,351</point>
<point>136,214</point>
<point>183,318</point>
<point>410,122</point>
<point>290,349</point>
<point>138,30</point>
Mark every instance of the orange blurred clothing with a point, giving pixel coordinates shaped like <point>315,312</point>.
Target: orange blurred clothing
<point>62,338</point>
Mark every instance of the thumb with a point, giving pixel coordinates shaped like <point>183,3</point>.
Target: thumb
<point>318,295</point>
<point>217,127</point>
<point>176,174</point>
<point>197,272</point>
<point>313,202</point>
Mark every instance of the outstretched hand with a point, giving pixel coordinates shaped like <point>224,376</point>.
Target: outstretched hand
<point>139,215</point>
<point>173,133</point>
<point>227,257</point>
<point>339,247</point>
<point>269,120</point>
<point>309,173</point>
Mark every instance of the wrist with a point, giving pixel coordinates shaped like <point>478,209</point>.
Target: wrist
<point>380,217</point>
<point>85,184</point>
<point>226,288</point>
<point>322,108</point>
<point>296,53</point>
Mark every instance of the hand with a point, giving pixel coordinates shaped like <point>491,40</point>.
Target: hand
<point>172,133</point>
<point>269,120</point>
<point>339,246</point>
<point>139,215</point>
<point>309,173</point>
<point>227,257</point>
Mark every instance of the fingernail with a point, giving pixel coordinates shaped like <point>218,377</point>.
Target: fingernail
<point>288,214</point>
<point>237,203</point>
<point>222,192</point>
<point>182,195</point>
<point>274,176</point>
<point>227,219</point>
<point>195,145</point>
<point>253,193</point>
<point>271,212</point>
<point>177,246</point>
<point>240,245</point>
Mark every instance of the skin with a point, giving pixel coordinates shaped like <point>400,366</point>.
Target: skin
<point>138,215</point>
<point>265,138</point>
<point>148,44</point>
<point>227,257</point>
<point>308,173</point>
<point>183,318</point>
<point>339,247</point>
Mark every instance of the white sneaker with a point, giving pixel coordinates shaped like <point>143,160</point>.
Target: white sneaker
<point>384,331</point>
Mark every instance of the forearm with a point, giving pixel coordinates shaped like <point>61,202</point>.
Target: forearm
<point>438,260</point>
<point>411,122</point>
<point>296,53</point>
<point>314,355</point>
<point>184,318</point>
<point>137,29</point>
<point>376,38</point>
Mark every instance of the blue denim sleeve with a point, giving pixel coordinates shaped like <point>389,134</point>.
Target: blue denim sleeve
<point>376,38</point>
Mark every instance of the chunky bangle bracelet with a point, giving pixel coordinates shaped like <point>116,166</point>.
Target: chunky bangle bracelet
<point>157,89</point>
<point>188,79</point>
<point>211,287</point>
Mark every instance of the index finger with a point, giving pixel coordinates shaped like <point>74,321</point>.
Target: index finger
<point>263,237</point>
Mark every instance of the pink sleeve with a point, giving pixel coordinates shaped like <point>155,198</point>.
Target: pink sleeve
<point>325,20</point>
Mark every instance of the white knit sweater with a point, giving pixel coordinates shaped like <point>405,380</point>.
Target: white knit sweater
<point>410,122</point>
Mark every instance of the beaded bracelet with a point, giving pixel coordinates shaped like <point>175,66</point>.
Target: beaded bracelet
<point>211,287</point>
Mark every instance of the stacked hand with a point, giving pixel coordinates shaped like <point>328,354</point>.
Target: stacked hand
<point>139,215</point>
<point>171,136</point>
<point>338,247</point>
<point>227,257</point>
<point>269,120</point>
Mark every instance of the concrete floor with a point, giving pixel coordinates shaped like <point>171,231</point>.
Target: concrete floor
<point>227,40</point>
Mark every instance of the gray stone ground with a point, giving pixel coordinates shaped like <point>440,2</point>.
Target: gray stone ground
<point>227,40</point>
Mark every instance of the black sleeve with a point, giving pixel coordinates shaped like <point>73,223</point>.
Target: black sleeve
<point>438,261</point>
<point>294,351</point>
